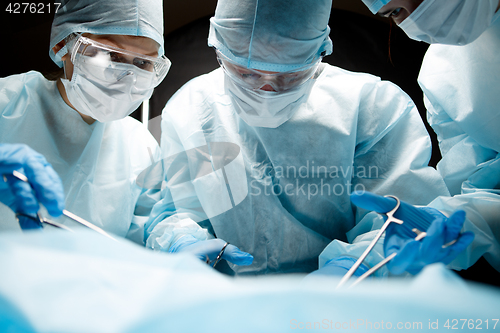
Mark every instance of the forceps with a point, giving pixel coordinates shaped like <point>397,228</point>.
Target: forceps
<point>420,235</point>
<point>390,219</point>
<point>70,215</point>
<point>40,220</point>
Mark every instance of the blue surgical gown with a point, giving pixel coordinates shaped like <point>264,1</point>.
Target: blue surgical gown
<point>288,188</point>
<point>98,163</point>
<point>462,96</point>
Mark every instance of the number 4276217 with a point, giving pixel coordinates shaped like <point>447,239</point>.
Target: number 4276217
<point>478,324</point>
<point>32,8</point>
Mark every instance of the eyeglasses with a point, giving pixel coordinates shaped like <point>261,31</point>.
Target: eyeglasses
<point>111,64</point>
<point>254,79</point>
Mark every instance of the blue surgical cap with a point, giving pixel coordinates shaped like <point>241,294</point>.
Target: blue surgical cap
<point>107,17</point>
<point>375,5</point>
<point>272,35</point>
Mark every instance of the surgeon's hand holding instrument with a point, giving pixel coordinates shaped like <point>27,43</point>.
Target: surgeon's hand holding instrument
<point>390,219</point>
<point>211,251</point>
<point>44,187</point>
<point>375,268</point>
<point>38,221</point>
<point>443,240</point>
<point>420,235</point>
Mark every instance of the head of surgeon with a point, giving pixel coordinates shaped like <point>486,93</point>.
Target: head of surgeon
<point>270,51</point>
<point>453,22</point>
<point>112,55</point>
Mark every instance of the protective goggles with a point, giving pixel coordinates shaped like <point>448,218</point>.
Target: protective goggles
<point>111,64</point>
<point>254,79</point>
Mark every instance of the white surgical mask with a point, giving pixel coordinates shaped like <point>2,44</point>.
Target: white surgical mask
<point>101,100</point>
<point>266,108</point>
<point>453,22</point>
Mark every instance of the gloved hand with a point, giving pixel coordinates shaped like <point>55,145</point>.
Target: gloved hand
<point>338,267</point>
<point>413,255</point>
<point>211,249</point>
<point>46,186</point>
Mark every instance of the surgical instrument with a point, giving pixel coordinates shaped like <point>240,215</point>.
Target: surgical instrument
<point>218,258</point>
<point>40,220</point>
<point>373,269</point>
<point>70,215</point>
<point>420,235</point>
<point>390,218</point>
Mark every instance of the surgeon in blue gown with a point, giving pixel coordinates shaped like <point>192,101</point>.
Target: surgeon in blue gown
<point>299,135</point>
<point>460,75</point>
<point>111,53</point>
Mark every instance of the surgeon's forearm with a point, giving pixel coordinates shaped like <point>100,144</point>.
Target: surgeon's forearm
<point>171,229</point>
<point>481,210</point>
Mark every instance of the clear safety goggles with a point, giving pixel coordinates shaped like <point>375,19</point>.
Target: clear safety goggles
<point>111,64</point>
<point>255,79</point>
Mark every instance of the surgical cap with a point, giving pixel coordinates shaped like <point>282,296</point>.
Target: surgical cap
<point>375,5</point>
<point>272,35</point>
<point>107,17</point>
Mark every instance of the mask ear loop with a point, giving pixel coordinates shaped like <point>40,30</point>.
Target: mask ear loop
<point>64,51</point>
<point>64,69</point>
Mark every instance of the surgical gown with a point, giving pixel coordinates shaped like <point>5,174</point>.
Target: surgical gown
<point>288,188</point>
<point>98,163</point>
<point>461,88</point>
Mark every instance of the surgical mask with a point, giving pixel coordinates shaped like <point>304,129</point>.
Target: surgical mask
<point>104,85</point>
<point>266,108</point>
<point>453,22</point>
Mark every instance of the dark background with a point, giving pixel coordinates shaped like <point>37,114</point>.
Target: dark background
<point>362,43</point>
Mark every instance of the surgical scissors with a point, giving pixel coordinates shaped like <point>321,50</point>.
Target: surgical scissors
<point>390,219</point>
<point>219,256</point>
<point>70,215</point>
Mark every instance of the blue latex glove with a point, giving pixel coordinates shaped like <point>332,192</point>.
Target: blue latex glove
<point>413,255</point>
<point>211,248</point>
<point>338,267</point>
<point>44,184</point>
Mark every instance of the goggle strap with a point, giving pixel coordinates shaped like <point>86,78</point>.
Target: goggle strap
<point>77,40</point>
